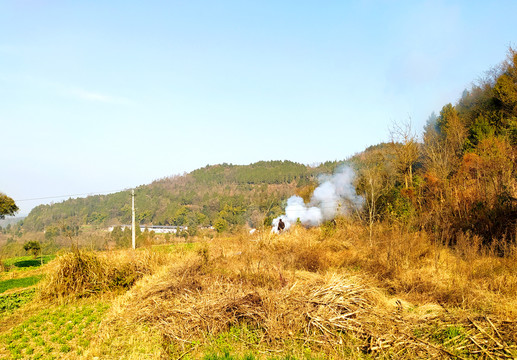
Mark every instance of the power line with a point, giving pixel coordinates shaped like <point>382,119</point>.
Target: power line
<point>70,195</point>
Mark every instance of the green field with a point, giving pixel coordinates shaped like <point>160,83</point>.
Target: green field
<point>19,283</point>
<point>53,333</point>
<point>24,262</point>
<point>11,302</point>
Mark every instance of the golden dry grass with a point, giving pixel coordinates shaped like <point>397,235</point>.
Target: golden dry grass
<point>329,293</point>
<point>340,296</point>
<point>412,265</point>
<point>83,273</point>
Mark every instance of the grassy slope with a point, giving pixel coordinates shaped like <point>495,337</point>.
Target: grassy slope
<point>308,294</point>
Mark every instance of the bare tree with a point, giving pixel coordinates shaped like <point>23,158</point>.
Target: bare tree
<point>444,139</point>
<point>376,177</point>
<point>405,148</point>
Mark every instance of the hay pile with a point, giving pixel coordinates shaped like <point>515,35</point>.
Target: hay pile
<point>83,273</point>
<point>189,303</point>
<point>187,307</point>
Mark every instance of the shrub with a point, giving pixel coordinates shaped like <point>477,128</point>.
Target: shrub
<point>33,246</point>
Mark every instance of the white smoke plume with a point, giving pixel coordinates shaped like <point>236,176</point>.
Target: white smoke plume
<point>334,196</point>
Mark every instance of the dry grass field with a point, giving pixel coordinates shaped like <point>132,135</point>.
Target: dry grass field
<point>321,293</point>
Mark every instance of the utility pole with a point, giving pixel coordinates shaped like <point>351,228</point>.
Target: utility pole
<point>133,229</point>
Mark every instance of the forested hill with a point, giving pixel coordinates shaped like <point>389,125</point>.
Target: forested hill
<point>221,195</point>
<point>262,172</point>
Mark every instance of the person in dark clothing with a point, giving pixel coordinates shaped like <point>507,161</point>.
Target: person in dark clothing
<point>281,225</point>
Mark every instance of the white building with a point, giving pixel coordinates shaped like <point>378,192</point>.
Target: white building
<point>158,229</point>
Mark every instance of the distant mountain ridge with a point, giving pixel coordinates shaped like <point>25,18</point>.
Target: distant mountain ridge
<point>11,220</point>
<point>223,195</point>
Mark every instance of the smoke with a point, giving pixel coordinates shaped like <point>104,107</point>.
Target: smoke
<point>334,196</point>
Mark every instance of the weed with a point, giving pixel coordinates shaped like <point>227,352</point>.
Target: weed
<point>11,302</point>
<point>55,338</point>
<point>447,333</point>
<point>224,356</point>
<point>25,339</point>
<point>84,343</point>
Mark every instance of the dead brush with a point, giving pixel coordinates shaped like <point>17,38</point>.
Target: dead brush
<point>302,249</point>
<point>191,301</point>
<point>311,259</point>
<point>313,309</point>
<point>261,286</point>
<point>409,264</point>
<point>83,273</point>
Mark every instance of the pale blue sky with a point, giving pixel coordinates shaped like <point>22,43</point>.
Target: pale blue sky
<point>106,95</point>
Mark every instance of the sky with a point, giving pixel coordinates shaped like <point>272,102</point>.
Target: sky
<point>98,96</point>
